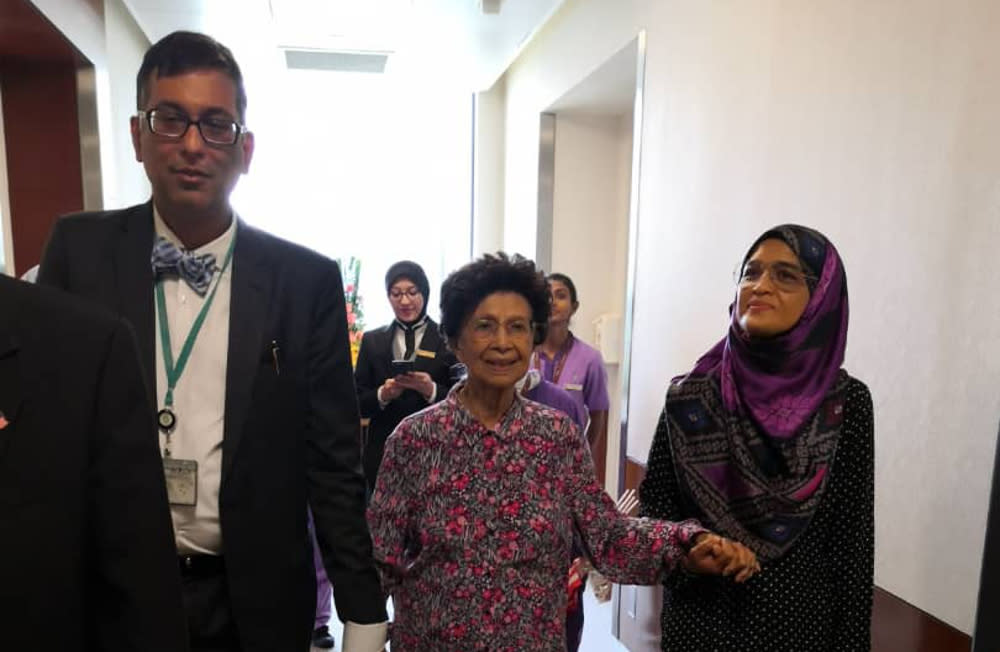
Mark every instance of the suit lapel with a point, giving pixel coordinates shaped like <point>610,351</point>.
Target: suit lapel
<point>134,280</point>
<point>385,346</point>
<point>249,303</point>
<point>431,342</point>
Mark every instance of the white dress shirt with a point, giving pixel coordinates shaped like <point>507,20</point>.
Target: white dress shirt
<point>399,340</point>
<point>200,394</point>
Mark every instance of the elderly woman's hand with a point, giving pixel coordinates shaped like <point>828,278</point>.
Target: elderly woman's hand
<point>715,555</point>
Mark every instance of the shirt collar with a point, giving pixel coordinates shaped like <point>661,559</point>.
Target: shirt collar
<point>218,247</point>
<point>416,326</point>
<point>503,426</point>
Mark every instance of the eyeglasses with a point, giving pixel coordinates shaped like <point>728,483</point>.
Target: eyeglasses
<point>174,124</point>
<point>412,293</point>
<point>785,276</point>
<point>486,330</point>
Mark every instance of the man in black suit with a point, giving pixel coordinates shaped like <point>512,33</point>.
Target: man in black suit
<point>389,395</point>
<point>87,556</point>
<point>244,337</point>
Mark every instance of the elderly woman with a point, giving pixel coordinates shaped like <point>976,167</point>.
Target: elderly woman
<point>478,496</point>
<point>794,480</point>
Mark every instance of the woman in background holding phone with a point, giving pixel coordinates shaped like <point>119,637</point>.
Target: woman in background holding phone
<point>402,367</point>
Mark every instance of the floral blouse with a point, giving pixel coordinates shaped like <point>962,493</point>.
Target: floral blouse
<point>472,529</point>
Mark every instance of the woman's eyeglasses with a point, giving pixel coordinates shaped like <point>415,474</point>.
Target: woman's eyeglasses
<point>785,276</point>
<point>486,330</point>
<point>397,295</point>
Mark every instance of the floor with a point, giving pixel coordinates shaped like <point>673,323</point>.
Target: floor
<point>596,629</point>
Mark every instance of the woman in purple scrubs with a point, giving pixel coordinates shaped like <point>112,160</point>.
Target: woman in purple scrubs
<point>577,368</point>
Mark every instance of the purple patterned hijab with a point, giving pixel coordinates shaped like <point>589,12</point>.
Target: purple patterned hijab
<point>754,426</point>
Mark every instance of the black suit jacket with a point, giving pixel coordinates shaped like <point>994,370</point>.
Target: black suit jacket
<point>291,433</point>
<point>87,557</point>
<point>375,366</point>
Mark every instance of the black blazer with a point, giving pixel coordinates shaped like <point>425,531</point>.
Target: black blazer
<point>87,558</point>
<point>291,434</point>
<point>375,366</point>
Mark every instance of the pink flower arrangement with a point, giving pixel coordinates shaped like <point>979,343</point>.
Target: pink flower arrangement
<point>355,314</point>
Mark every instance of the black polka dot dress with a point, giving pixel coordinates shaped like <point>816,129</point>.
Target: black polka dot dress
<point>817,597</point>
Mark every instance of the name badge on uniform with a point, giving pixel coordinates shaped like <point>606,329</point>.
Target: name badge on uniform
<point>426,354</point>
<point>573,387</point>
<point>182,481</point>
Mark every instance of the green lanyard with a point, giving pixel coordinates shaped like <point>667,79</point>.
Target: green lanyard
<point>166,416</point>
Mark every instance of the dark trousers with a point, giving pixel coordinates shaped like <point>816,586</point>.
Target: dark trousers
<point>211,627</point>
<point>574,622</point>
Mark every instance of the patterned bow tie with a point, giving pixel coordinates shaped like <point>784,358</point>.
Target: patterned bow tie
<point>196,270</point>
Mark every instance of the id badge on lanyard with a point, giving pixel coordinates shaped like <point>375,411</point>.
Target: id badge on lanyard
<point>181,475</point>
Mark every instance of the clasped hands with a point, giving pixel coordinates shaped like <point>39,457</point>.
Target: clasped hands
<point>715,555</point>
<point>419,381</point>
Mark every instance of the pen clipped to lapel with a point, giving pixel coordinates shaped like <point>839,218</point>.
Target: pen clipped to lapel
<point>274,356</point>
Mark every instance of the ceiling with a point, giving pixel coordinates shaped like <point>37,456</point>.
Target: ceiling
<point>455,39</point>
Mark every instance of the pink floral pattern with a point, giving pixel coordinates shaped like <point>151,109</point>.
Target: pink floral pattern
<point>472,529</point>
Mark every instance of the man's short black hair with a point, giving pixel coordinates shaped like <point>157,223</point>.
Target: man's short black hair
<point>181,52</point>
<point>465,289</point>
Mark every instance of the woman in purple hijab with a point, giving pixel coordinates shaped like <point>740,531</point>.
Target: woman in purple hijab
<point>770,442</point>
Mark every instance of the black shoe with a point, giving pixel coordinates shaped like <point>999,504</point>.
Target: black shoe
<point>322,638</point>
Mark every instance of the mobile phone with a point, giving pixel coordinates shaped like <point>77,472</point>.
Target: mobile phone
<point>401,367</point>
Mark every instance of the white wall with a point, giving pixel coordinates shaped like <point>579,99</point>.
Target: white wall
<point>623,167</point>
<point>590,229</point>
<point>488,185</point>
<point>104,32</point>
<point>125,181</point>
<point>873,122</point>
<point>81,21</point>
